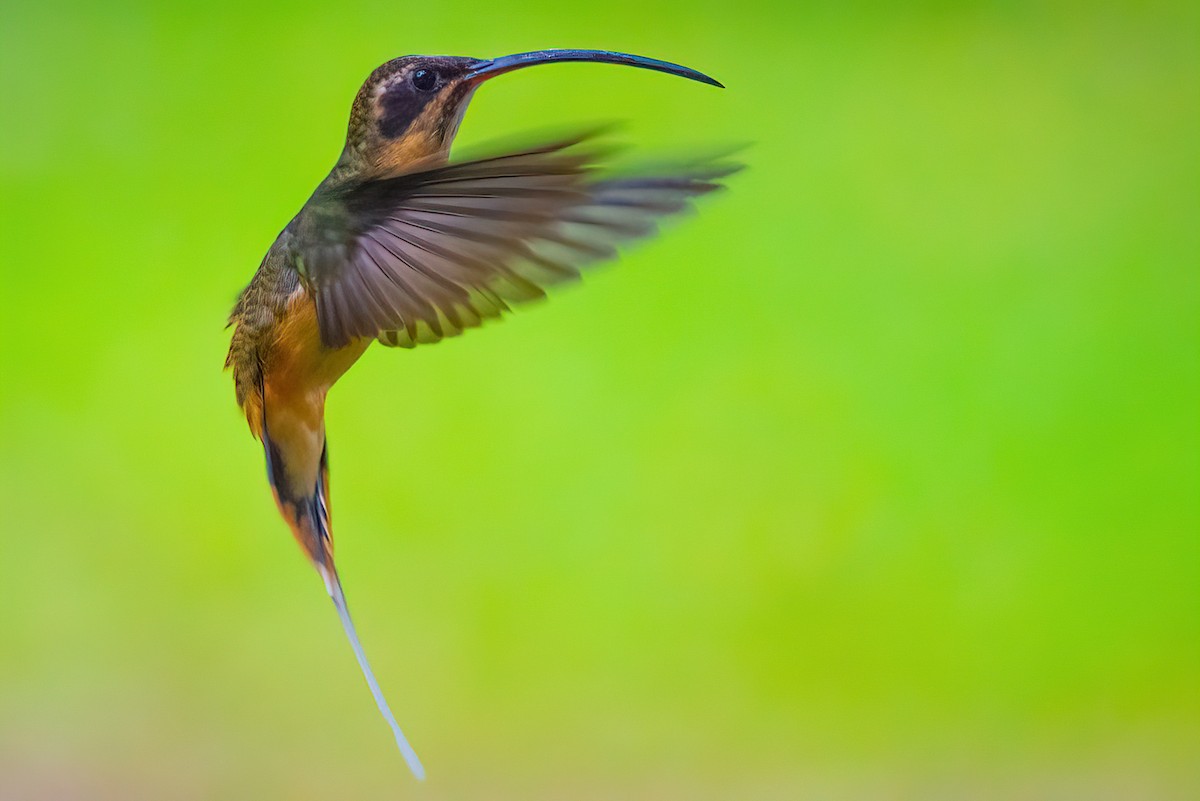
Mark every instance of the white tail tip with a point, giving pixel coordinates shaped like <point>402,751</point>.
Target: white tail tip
<point>333,586</point>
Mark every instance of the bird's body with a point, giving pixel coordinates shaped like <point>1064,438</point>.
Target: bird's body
<point>282,372</point>
<point>400,245</point>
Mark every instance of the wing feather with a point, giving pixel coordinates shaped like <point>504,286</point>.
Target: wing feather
<point>428,255</point>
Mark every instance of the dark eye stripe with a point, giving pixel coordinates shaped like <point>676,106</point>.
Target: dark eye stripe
<point>401,104</point>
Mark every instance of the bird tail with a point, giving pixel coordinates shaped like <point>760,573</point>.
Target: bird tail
<point>307,514</point>
<point>333,586</point>
<point>304,504</point>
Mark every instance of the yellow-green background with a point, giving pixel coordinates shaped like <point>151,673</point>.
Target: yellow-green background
<point>879,479</point>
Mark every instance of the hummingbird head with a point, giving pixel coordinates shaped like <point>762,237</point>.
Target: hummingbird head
<point>408,111</point>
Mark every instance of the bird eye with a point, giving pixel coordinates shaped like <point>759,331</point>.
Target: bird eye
<point>425,80</point>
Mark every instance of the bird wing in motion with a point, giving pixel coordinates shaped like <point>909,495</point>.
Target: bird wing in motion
<point>426,255</point>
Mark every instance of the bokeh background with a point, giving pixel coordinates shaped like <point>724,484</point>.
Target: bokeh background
<point>879,479</point>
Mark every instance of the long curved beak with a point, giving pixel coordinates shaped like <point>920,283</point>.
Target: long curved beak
<point>489,68</point>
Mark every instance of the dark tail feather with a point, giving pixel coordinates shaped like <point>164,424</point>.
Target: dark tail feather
<point>308,516</point>
<point>306,512</point>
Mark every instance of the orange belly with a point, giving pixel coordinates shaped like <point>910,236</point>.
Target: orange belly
<point>297,373</point>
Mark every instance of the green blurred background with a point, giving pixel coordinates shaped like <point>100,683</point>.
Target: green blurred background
<point>879,479</point>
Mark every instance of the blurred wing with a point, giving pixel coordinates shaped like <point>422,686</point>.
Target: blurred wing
<point>431,254</point>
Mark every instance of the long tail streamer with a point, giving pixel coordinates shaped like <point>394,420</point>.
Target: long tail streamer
<point>333,586</point>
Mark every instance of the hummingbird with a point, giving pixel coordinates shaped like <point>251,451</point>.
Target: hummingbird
<point>401,245</point>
